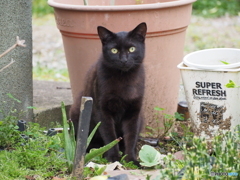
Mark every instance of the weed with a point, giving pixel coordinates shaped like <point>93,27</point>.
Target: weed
<point>9,133</point>
<point>168,123</point>
<point>91,172</point>
<point>198,163</point>
<point>38,155</point>
<point>127,165</point>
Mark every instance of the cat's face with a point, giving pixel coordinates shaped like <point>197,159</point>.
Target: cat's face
<point>123,50</point>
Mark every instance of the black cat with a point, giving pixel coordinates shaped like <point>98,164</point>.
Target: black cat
<point>116,84</point>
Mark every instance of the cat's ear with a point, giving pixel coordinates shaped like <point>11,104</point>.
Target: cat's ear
<point>104,34</point>
<point>139,32</point>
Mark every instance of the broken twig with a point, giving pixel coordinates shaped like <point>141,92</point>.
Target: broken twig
<point>18,43</point>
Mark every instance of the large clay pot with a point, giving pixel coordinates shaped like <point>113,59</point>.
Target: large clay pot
<point>167,22</point>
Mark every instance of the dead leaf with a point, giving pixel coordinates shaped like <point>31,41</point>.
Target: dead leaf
<point>30,178</point>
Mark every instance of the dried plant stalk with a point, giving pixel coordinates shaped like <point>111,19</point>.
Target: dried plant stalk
<point>18,43</point>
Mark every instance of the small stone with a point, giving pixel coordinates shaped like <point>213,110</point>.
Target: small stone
<point>119,177</point>
<point>167,138</point>
<point>179,155</point>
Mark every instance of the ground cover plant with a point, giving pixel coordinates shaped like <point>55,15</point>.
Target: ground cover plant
<point>203,160</point>
<point>31,154</point>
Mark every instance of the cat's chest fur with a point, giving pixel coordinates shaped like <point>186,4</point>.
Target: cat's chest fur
<point>119,91</point>
<point>127,86</point>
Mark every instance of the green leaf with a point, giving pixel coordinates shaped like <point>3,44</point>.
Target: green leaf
<point>31,107</point>
<point>158,109</point>
<point>100,171</point>
<point>72,134</point>
<point>12,97</point>
<point>149,156</point>
<point>231,84</point>
<point>179,116</point>
<point>92,133</point>
<point>168,116</point>
<point>224,62</point>
<point>100,151</point>
<point>69,141</point>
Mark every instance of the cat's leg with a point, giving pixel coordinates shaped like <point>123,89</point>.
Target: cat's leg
<point>74,114</point>
<point>131,129</point>
<point>108,134</point>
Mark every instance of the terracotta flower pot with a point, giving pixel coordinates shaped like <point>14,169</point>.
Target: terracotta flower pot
<point>167,21</point>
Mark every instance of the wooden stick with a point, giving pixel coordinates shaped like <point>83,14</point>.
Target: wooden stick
<point>82,134</point>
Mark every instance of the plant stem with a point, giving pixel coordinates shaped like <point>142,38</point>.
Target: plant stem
<point>18,43</point>
<point>12,61</point>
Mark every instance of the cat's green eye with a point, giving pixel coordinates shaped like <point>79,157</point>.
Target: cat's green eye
<point>114,50</point>
<point>132,49</point>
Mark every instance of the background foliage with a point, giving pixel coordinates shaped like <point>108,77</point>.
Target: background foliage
<point>205,8</point>
<point>216,8</point>
<point>41,8</point>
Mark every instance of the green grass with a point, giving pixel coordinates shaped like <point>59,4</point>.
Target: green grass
<point>216,8</point>
<point>43,73</point>
<point>38,156</point>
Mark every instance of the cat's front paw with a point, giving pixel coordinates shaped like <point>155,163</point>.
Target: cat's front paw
<point>113,158</point>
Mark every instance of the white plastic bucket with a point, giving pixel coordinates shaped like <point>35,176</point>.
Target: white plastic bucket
<point>212,106</point>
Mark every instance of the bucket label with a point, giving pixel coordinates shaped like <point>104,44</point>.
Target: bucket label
<point>209,91</point>
<point>211,113</point>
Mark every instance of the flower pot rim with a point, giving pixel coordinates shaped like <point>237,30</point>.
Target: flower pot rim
<point>213,51</point>
<point>158,5</point>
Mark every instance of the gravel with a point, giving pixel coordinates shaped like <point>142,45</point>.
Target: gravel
<point>47,44</point>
